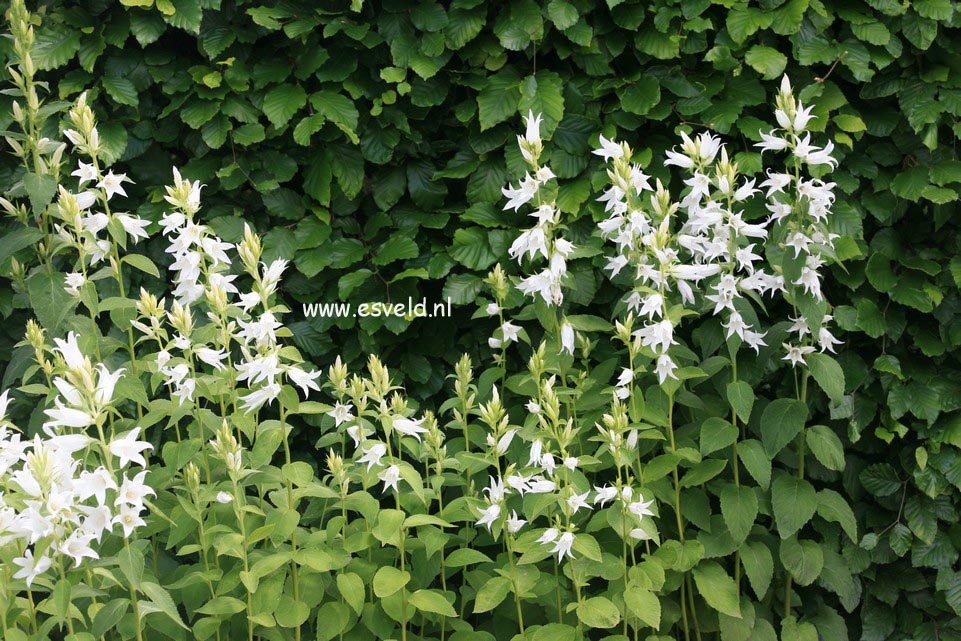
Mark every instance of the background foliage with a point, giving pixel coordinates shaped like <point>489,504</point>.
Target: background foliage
<point>370,143</point>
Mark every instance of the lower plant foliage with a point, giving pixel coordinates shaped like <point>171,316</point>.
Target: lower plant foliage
<point>687,468</point>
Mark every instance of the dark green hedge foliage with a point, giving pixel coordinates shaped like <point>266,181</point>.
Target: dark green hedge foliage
<point>370,142</point>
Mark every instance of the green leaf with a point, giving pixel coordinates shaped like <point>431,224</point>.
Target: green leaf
<point>21,238</point>
<point>803,559</point>
<point>462,557</point>
<point>826,446</point>
<point>339,110</point>
<point>55,46</point>
<point>716,433</point>
<point>389,580</point>
<point>431,601</point>
<point>472,249</point>
<point>51,304</point>
<point>741,397</point>
<point>563,14</point>
<point>781,422</point>
<point>598,612</point>
<point>162,599</point>
<point>717,588</point>
<point>352,589</point>
<point>41,188</point>
<point>109,616</point>
<point>644,605</point>
<point>794,502</point>
<point>755,461</point>
<point>282,102</point>
<point>222,606</point>
<point>499,99</point>
<point>543,94</point>
<point>248,134</point>
<point>758,566</point>
<point>910,183</point>
<point>491,594</point>
<point>739,507</point>
<point>828,375</point>
<point>141,262</point>
<point>831,506</point>
<point>768,62</point>
<point>121,89</point>
<point>396,248</point>
<point>641,95</point>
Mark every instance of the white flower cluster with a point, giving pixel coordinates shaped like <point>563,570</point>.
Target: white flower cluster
<point>59,504</point>
<point>800,207</point>
<point>550,471</point>
<point>88,225</point>
<point>542,239</point>
<point>202,275</point>
<point>714,242</point>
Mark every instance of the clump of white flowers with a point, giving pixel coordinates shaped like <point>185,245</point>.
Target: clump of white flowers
<point>65,491</point>
<point>543,240</point>
<point>714,247</point>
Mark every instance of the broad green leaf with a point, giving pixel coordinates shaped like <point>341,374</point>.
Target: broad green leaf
<point>717,588</point>
<point>499,99</point>
<point>41,188</point>
<point>781,422</point>
<point>741,397</point>
<point>543,94</point>
<point>491,594</point>
<point>431,601</point>
<point>472,249</point>
<point>121,89</point>
<point>598,612</point>
<point>396,248</point>
<point>282,102</point>
<point>644,605</point>
<point>703,472</point>
<point>768,62</point>
<point>141,262</point>
<point>14,241</point>
<point>222,606</point>
<point>466,556</point>
<point>758,566</point>
<point>640,96</point>
<point>716,434</point>
<point>739,508</point>
<point>389,580</point>
<point>794,502</point>
<point>831,506</point>
<point>162,599</point>
<point>803,559</point>
<point>755,461</point>
<point>828,375</point>
<point>826,446</point>
<point>339,110</point>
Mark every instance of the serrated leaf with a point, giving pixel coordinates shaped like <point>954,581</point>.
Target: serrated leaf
<point>828,375</point>
<point>282,102</point>
<point>794,502</point>
<point>739,508</point>
<point>781,422</point>
<point>803,559</point>
<point>768,62</point>
<point>826,446</point>
<point>758,566</point>
<point>717,588</point>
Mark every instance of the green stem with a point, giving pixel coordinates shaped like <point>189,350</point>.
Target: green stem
<point>677,506</point>
<point>788,586</point>
<point>290,506</point>
<point>517,598</point>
